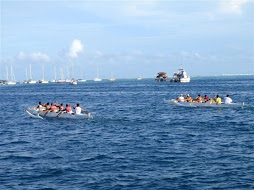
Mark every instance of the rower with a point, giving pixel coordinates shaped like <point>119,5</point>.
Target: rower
<point>188,98</point>
<point>61,107</point>
<point>40,106</point>
<point>228,100</point>
<point>199,98</point>
<point>218,99</point>
<point>78,109</point>
<point>53,107</point>
<point>180,98</point>
<point>206,97</point>
<point>48,106</point>
<point>68,108</point>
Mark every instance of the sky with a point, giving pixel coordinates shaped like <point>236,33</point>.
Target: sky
<point>126,39</point>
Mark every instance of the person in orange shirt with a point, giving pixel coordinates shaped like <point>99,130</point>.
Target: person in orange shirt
<point>188,98</point>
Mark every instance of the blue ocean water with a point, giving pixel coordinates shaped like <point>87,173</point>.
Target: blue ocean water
<point>135,141</point>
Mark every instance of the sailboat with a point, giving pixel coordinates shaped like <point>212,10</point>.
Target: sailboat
<point>73,81</point>
<point>68,75</point>
<point>62,80</point>
<point>10,80</point>
<point>43,81</point>
<point>112,79</point>
<point>31,81</point>
<point>82,79</point>
<point>97,79</point>
<point>25,81</point>
<point>54,80</point>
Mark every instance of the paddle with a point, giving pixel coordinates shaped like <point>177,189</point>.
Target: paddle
<point>38,116</point>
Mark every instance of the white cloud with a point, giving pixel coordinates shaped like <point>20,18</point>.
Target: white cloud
<point>233,6</point>
<point>75,48</point>
<point>39,57</point>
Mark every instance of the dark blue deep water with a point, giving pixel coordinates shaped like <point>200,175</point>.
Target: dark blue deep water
<point>136,140</point>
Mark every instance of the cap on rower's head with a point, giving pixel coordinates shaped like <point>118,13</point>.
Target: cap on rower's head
<point>205,95</point>
<point>199,95</point>
<point>77,104</point>
<point>39,102</point>
<point>227,95</point>
<point>217,95</point>
<point>188,95</point>
<point>66,105</point>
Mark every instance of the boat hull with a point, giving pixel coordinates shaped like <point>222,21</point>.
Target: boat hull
<point>206,104</point>
<point>41,114</point>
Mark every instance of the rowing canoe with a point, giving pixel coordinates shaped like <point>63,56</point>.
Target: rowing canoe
<point>205,104</point>
<point>41,114</point>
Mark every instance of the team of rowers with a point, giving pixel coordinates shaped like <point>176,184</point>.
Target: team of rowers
<point>47,107</point>
<point>216,99</point>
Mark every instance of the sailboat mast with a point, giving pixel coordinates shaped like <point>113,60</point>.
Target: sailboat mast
<point>31,77</point>
<point>71,70</point>
<point>62,74</point>
<point>55,72</point>
<point>7,73</point>
<point>12,78</point>
<point>42,73</point>
<point>26,75</point>
<point>68,75</point>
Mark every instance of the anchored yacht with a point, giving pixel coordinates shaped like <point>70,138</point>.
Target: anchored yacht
<point>180,76</point>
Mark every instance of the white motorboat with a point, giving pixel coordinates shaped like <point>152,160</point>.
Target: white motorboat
<point>31,81</point>
<point>180,76</point>
<point>74,82</point>
<point>203,104</point>
<point>41,114</point>
<point>43,81</point>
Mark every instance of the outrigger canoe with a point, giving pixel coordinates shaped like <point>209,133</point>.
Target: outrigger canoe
<point>35,113</point>
<point>204,104</point>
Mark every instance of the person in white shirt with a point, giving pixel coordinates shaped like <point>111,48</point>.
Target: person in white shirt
<point>78,109</point>
<point>40,106</point>
<point>180,98</point>
<point>228,100</point>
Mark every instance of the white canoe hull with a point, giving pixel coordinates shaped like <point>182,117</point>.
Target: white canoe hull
<point>40,114</point>
<point>206,104</point>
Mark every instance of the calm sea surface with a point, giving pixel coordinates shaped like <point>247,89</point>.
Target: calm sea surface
<point>135,141</point>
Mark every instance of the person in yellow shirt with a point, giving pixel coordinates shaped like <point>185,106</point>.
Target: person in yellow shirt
<point>218,99</point>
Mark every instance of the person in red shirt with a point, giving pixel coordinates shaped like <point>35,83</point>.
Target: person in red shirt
<point>68,108</point>
<point>206,98</point>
